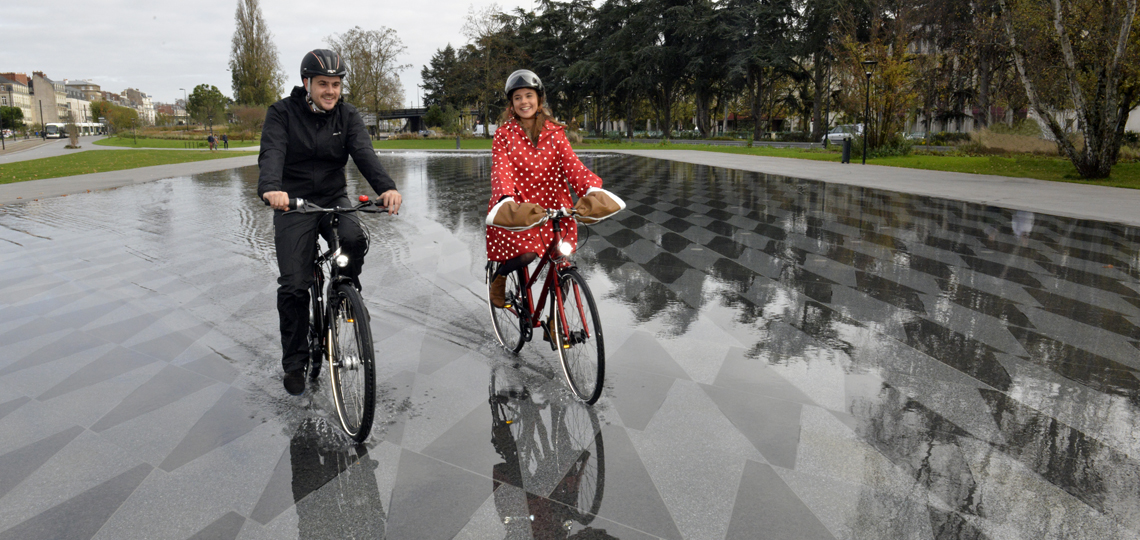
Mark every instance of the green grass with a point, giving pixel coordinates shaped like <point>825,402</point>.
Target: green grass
<point>101,161</point>
<point>1056,169</point>
<point>130,142</point>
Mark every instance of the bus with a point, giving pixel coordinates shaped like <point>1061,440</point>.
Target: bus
<point>55,131</point>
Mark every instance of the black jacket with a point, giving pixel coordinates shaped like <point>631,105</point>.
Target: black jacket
<point>304,153</point>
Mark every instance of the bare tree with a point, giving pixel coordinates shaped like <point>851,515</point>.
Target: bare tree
<point>1094,76</point>
<point>373,82</point>
<point>254,64</point>
<point>492,54</point>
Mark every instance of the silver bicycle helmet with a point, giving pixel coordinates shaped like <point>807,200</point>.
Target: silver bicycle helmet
<point>523,78</point>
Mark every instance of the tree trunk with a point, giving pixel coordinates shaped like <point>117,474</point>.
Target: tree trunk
<point>701,100</point>
<point>820,96</point>
<point>629,117</point>
<point>755,105</point>
<point>984,76</point>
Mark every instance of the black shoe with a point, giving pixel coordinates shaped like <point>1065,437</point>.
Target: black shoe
<point>295,382</point>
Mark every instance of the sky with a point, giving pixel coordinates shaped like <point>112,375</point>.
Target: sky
<point>163,46</point>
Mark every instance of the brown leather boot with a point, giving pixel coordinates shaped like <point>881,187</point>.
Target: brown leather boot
<point>499,292</point>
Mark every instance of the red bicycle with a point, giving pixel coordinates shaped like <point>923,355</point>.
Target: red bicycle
<point>572,326</point>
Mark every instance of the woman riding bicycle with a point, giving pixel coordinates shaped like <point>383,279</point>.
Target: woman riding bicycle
<point>532,162</point>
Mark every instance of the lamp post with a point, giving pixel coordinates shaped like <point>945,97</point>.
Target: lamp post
<point>587,114</point>
<point>869,65</point>
<point>185,105</point>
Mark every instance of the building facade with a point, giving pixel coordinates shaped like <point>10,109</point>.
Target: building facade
<point>89,90</point>
<point>142,103</point>
<point>14,93</point>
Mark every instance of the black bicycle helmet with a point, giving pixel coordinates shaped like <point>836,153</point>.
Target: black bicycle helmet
<point>523,78</point>
<point>323,62</point>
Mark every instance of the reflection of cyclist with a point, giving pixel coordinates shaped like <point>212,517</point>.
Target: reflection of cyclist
<point>305,143</point>
<point>531,163</point>
<point>539,441</point>
<point>334,485</point>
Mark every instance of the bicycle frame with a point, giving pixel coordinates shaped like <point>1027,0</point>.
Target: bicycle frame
<point>556,261</point>
<point>323,266</point>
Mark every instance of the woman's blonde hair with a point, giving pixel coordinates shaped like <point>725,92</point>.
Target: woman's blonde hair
<point>540,118</point>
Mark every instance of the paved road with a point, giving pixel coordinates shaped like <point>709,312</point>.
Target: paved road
<point>817,360</point>
<point>1056,198</point>
<point>39,148</point>
<point>773,144</point>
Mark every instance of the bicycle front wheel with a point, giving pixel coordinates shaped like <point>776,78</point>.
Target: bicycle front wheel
<point>579,338</point>
<point>352,364</point>
<point>509,320</point>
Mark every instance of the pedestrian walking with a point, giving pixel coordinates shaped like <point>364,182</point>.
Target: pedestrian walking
<point>225,141</point>
<point>212,141</point>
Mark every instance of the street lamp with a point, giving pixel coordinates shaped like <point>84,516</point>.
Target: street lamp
<point>869,65</point>
<point>185,105</point>
<point>587,114</point>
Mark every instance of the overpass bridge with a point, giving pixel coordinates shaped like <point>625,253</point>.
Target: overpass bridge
<point>414,116</point>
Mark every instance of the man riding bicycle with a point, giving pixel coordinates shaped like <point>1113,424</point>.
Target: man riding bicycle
<point>305,143</point>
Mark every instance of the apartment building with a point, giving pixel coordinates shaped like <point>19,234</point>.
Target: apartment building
<point>15,92</point>
<point>141,103</point>
<point>89,90</point>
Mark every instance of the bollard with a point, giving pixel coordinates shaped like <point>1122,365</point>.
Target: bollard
<point>846,150</point>
<point>457,142</point>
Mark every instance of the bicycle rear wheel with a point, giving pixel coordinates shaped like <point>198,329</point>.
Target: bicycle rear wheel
<point>580,345</point>
<point>352,364</point>
<point>508,321</point>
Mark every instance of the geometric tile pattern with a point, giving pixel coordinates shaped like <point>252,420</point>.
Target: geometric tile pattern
<point>785,359</point>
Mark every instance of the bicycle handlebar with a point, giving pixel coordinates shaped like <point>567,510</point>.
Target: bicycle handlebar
<point>301,206</point>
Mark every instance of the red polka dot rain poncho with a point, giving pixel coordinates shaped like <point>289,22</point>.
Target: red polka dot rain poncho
<point>529,173</point>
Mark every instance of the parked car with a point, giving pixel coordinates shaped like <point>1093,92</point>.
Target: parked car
<point>843,131</point>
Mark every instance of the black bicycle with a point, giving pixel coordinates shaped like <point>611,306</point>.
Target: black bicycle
<point>339,331</point>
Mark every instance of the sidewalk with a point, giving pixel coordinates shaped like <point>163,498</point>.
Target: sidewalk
<point>1057,198</point>
<point>20,144</point>
<point>69,185</point>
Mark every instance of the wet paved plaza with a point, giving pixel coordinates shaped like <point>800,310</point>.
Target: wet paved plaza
<point>786,359</point>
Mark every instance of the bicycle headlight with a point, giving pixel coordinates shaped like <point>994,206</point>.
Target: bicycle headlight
<point>342,260</point>
<point>565,248</point>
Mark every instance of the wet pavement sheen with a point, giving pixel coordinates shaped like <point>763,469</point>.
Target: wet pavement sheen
<point>785,359</point>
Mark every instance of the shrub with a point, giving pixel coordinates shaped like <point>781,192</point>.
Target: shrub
<point>794,136</point>
<point>894,147</point>
<point>987,142</point>
<point>947,138</point>
<point>1026,127</point>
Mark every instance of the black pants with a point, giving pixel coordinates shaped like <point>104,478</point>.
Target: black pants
<point>295,237</point>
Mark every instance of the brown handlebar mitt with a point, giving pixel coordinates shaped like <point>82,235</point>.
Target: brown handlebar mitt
<point>514,216</point>
<point>597,205</point>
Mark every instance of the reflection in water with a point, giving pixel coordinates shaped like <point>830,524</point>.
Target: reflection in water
<point>334,484</point>
<point>998,340</point>
<point>552,477</point>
